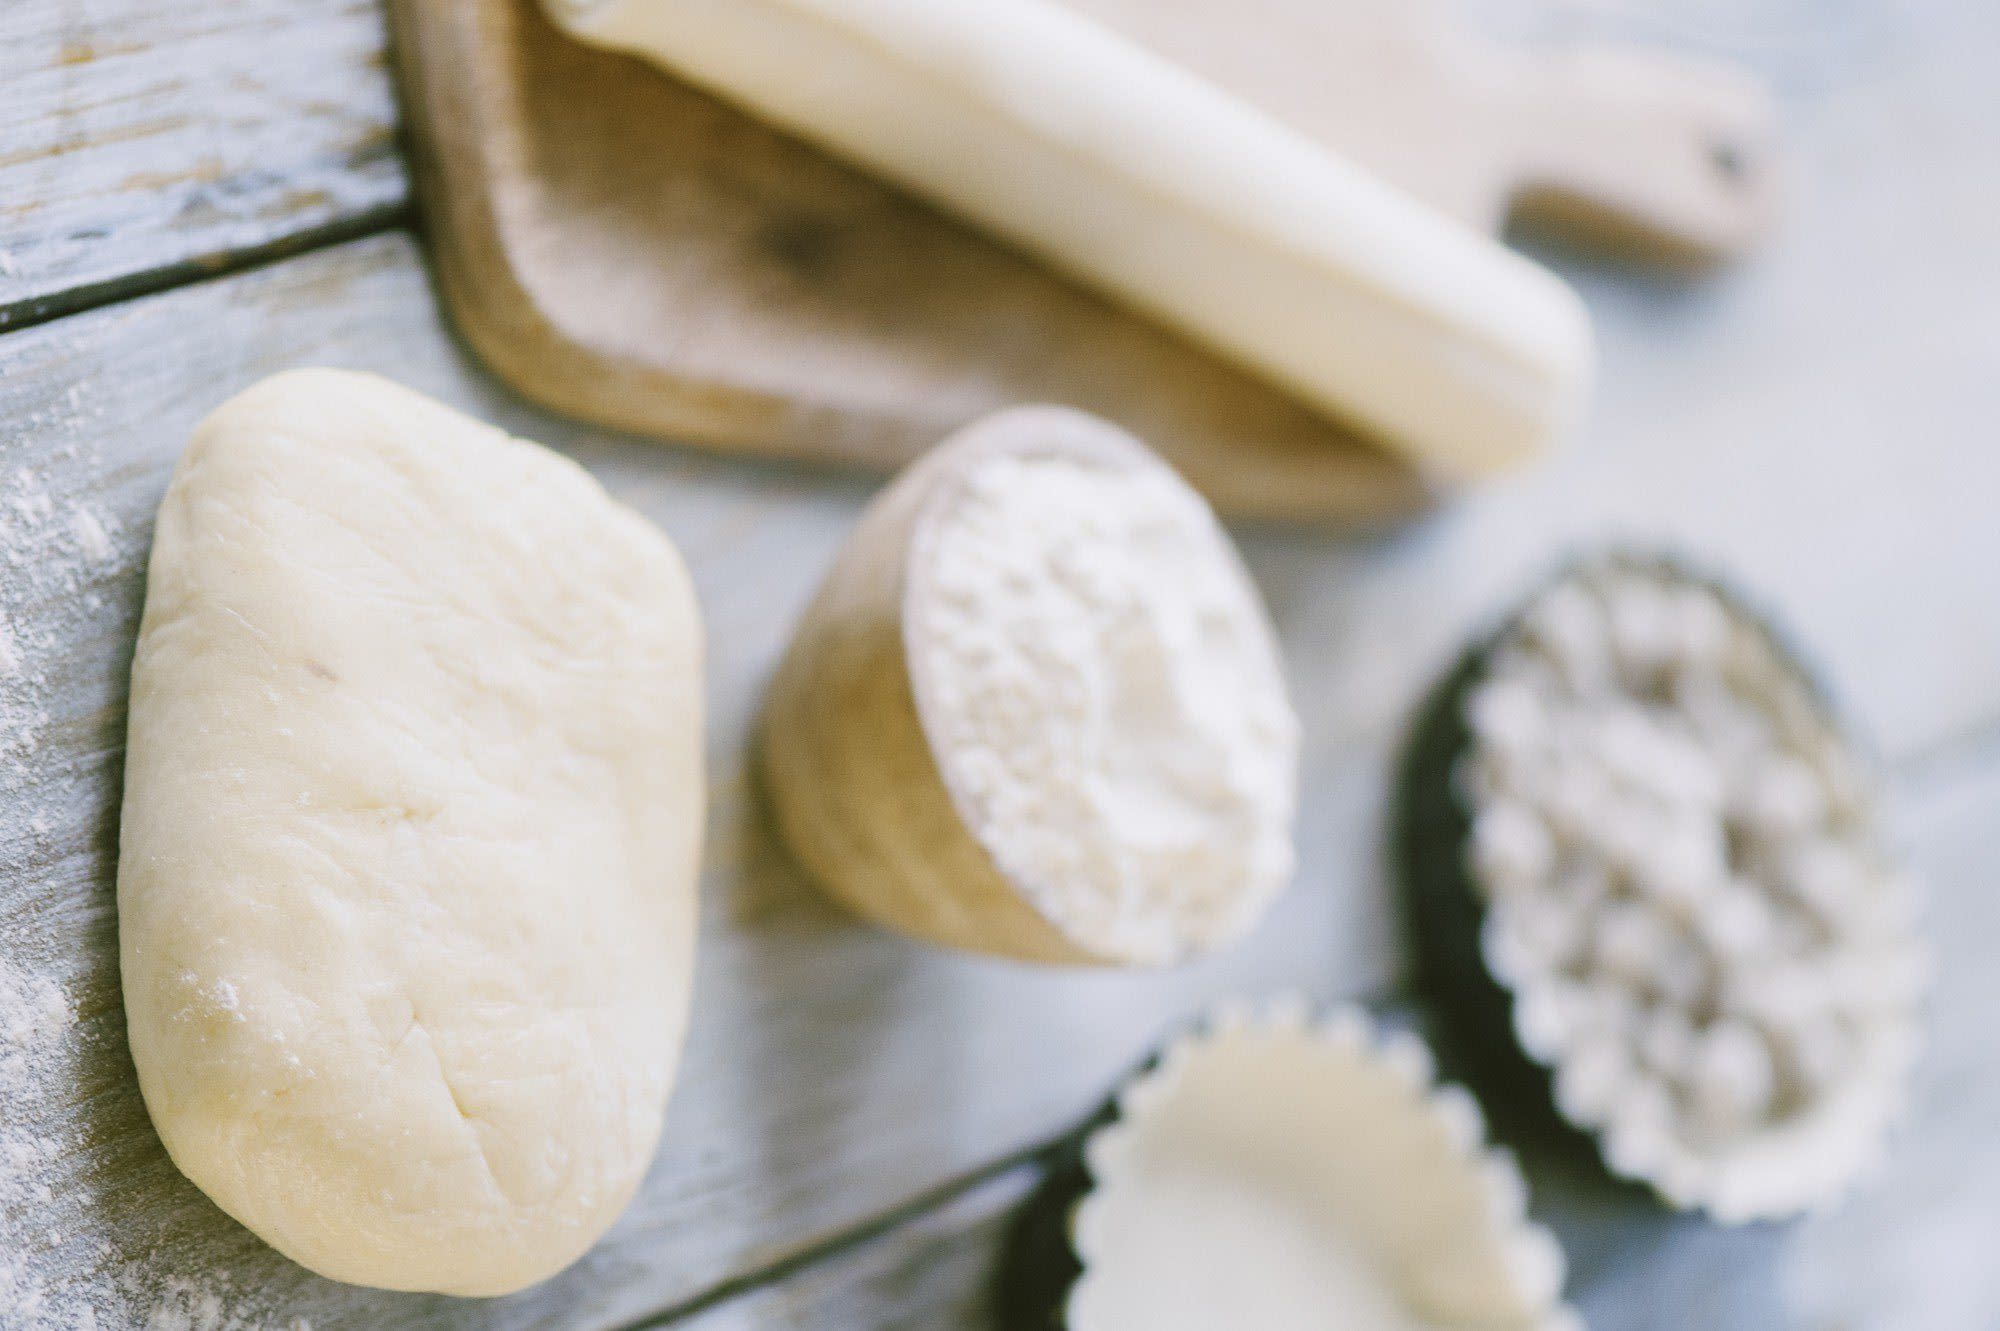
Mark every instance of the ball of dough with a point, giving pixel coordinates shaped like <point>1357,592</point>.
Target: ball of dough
<point>413,805</point>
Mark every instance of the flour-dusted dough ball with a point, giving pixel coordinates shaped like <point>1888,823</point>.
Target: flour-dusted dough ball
<point>412,811</point>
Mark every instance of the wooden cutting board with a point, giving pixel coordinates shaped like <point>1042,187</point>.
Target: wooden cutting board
<point>623,248</point>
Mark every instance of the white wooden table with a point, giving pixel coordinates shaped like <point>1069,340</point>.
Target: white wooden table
<point>192,196</point>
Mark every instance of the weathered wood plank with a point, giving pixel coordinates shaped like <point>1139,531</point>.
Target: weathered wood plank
<point>149,139</point>
<point>1912,1252</point>
<point>941,1269</point>
<point>833,1072</point>
<point>1916,1250</point>
<point>1816,422</point>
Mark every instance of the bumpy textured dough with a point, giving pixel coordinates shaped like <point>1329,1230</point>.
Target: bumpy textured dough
<point>412,812</point>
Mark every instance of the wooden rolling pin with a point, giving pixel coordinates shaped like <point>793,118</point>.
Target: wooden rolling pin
<point>1162,189</point>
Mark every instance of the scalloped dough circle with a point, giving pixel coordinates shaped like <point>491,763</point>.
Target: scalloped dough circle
<point>412,809</point>
<point>1291,1177</point>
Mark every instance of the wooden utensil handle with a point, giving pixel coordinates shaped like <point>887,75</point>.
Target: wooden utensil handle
<point>1672,153</point>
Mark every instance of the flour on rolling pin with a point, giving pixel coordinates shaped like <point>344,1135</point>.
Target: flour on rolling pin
<point>48,549</point>
<point>1162,189</point>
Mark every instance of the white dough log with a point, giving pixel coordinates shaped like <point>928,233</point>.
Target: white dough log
<point>413,802</point>
<point>1142,179</point>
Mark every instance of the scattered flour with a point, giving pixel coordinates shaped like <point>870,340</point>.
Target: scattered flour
<point>1109,703</point>
<point>33,1011</point>
<point>93,539</point>
<point>49,560</point>
<point>35,1018</point>
<point>186,1307</point>
<point>57,1280</point>
<point>59,1267</point>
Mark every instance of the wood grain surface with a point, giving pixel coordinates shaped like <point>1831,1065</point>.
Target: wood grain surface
<point>833,1072</point>
<point>649,258</point>
<point>939,1269</point>
<point>150,139</point>
<point>1910,1253</point>
<point>1817,424</point>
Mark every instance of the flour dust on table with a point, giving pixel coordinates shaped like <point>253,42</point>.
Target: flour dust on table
<point>56,1280</point>
<point>57,542</point>
<point>35,1021</point>
<point>51,547</point>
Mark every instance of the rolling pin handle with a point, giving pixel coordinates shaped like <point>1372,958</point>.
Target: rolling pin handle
<point>1672,154</point>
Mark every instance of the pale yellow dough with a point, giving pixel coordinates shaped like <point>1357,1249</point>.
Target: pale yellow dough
<point>412,813</point>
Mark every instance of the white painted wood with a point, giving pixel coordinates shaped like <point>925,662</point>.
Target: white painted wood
<point>1912,1252</point>
<point>1916,1251</point>
<point>833,1072</point>
<point>146,135</point>
<point>940,1269</point>
<point>1818,423</point>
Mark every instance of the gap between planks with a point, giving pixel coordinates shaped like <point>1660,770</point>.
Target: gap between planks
<point>52,305</point>
<point>1929,783</point>
<point>1017,1174</point>
<point>1025,1168</point>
